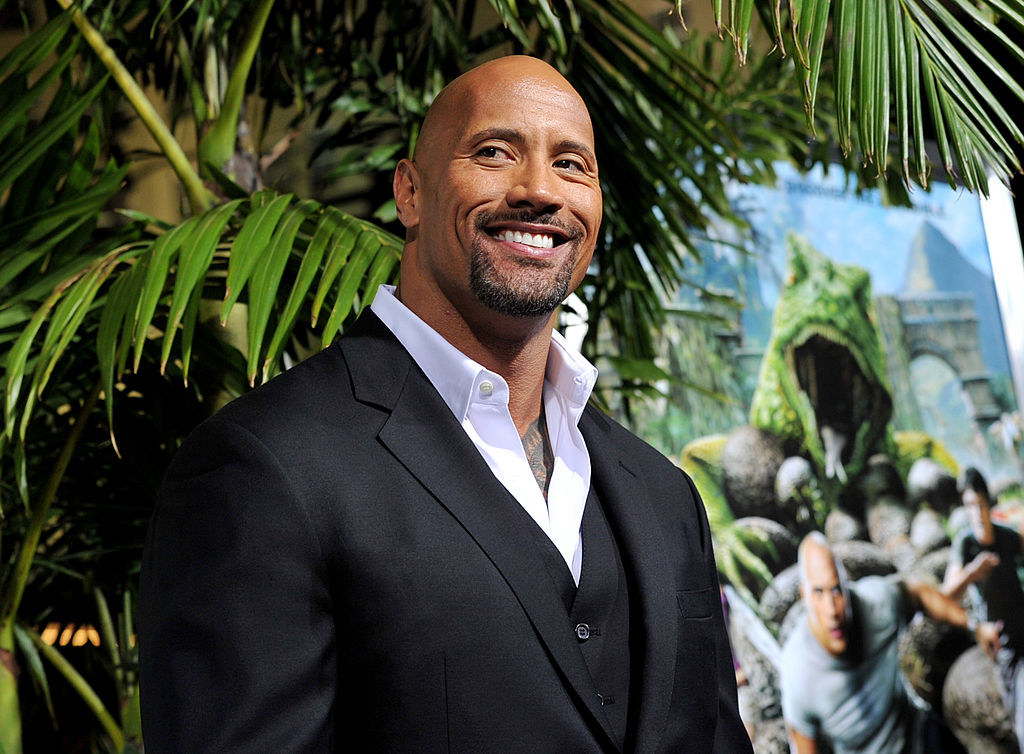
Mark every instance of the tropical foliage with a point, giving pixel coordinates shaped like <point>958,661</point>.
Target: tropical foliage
<point>119,330</point>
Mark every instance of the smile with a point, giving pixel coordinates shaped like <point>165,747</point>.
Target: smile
<point>536,240</point>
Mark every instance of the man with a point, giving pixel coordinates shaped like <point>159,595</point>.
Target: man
<point>423,539</point>
<point>840,674</point>
<point>986,557</point>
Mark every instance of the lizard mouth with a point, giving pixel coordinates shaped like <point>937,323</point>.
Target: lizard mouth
<point>841,396</point>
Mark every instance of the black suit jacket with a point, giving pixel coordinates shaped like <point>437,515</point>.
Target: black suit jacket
<point>333,567</point>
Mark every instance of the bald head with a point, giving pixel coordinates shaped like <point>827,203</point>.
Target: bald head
<point>823,589</point>
<point>495,80</point>
<point>501,203</point>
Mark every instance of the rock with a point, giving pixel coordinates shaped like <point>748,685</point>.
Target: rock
<point>841,526</point>
<point>973,706</point>
<point>932,567</point>
<point>863,559</point>
<point>793,475</point>
<point>901,553</point>
<point>798,494</point>
<point>796,613</point>
<point>779,597</point>
<point>770,541</point>
<point>770,737</point>
<point>926,532</point>
<point>929,482</point>
<point>751,458</point>
<point>887,518</point>
<point>762,676</point>
<point>927,649</point>
<point>880,477</point>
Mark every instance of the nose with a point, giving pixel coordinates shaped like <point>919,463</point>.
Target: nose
<point>536,187</point>
<point>835,605</point>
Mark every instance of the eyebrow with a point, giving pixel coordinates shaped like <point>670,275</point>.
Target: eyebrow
<point>517,137</point>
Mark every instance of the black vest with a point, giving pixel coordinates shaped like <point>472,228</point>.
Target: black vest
<point>598,613</point>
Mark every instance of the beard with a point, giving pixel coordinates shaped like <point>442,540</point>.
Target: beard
<point>533,288</point>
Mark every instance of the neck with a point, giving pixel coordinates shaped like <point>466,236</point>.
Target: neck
<point>514,347</point>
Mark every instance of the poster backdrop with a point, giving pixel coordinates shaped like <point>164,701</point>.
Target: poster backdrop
<point>932,282</point>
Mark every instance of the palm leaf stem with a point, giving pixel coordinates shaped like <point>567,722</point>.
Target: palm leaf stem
<point>80,685</point>
<point>18,576</point>
<point>218,145</point>
<point>199,197</point>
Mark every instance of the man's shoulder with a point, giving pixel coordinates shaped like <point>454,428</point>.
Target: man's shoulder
<point>876,590</point>
<point>629,442</point>
<point>797,657</point>
<point>1009,535</point>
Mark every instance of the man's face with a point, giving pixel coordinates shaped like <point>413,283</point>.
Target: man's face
<point>826,601</point>
<point>978,513</point>
<point>508,203</point>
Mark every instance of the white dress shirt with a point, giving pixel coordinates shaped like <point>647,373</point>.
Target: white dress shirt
<point>479,399</point>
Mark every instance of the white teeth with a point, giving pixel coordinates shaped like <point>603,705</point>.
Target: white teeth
<point>537,240</point>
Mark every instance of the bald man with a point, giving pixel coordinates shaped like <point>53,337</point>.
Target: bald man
<point>424,539</point>
<point>840,676</point>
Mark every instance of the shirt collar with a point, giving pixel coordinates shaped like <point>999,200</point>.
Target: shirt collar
<point>456,376</point>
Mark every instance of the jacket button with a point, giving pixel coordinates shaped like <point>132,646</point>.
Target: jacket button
<point>582,631</point>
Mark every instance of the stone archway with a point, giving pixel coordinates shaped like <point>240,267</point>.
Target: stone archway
<point>939,324</point>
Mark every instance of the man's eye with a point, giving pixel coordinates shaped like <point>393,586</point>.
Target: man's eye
<point>568,164</point>
<point>492,153</point>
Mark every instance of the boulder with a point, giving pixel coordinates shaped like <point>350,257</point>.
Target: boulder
<point>929,482</point>
<point>751,458</point>
<point>887,518</point>
<point>932,567</point>
<point>901,553</point>
<point>927,649</point>
<point>973,706</point>
<point>762,676</point>
<point>842,526</point>
<point>863,559</point>
<point>796,613</point>
<point>797,493</point>
<point>770,737</point>
<point>770,541</point>
<point>880,477</point>
<point>779,596</point>
<point>926,531</point>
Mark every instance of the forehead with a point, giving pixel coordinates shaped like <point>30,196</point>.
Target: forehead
<point>537,108</point>
<point>821,569</point>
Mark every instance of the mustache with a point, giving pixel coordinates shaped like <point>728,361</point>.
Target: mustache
<point>571,232</point>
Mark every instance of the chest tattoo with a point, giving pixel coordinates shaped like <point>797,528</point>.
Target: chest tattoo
<point>538,451</point>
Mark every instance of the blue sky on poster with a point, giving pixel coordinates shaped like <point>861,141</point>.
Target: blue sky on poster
<point>860,230</point>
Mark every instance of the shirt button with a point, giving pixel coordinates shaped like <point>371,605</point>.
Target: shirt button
<point>486,387</point>
<point>582,631</point>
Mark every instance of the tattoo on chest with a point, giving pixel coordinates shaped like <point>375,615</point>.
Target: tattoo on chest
<point>538,451</point>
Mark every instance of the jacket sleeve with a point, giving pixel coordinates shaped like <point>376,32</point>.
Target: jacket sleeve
<point>236,635</point>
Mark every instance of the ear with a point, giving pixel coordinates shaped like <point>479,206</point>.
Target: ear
<point>406,188</point>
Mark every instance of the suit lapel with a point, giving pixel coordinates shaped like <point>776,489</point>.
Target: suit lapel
<point>425,438</point>
<point>645,555</point>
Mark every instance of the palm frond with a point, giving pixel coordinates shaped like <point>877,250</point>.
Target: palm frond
<point>909,70</point>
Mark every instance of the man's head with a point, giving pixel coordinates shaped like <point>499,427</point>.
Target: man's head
<point>823,588</point>
<point>501,203</point>
<point>974,495</point>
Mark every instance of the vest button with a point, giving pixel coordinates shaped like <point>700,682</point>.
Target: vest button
<point>582,631</point>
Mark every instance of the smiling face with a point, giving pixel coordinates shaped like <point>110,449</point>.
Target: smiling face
<point>502,204</point>
<point>826,599</point>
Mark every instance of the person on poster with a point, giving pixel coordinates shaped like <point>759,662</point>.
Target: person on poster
<point>986,558</point>
<point>840,676</point>
<point>424,538</point>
